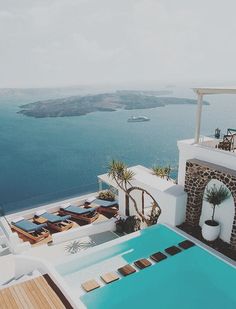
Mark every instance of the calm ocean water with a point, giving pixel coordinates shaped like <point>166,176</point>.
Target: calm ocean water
<point>46,159</point>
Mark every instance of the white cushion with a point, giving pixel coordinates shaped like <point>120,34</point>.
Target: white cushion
<point>91,199</point>
<point>17,219</point>
<point>65,206</point>
<point>40,212</point>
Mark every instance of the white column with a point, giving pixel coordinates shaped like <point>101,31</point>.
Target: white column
<point>198,118</point>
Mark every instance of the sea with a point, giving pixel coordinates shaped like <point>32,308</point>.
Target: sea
<point>47,159</point>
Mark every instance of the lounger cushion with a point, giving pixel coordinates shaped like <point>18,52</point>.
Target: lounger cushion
<point>28,226</point>
<point>79,210</point>
<point>54,218</point>
<point>104,203</point>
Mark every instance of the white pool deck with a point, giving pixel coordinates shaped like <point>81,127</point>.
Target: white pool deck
<point>57,253</point>
<point>74,279</point>
<point>7,268</point>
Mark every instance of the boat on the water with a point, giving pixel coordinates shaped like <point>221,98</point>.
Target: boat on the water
<point>138,119</point>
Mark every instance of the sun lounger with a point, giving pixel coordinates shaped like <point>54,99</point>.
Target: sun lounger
<point>186,244</point>
<point>58,223</point>
<point>79,213</point>
<point>110,207</point>
<point>158,257</point>
<point>110,277</point>
<point>143,263</point>
<point>126,270</point>
<point>36,232</point>
<point>90,285</point>
<point>172,250</point>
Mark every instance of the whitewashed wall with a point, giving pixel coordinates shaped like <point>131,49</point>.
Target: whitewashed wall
<point>224,214</point>
<point>188,150</point>
<point>173,206</point>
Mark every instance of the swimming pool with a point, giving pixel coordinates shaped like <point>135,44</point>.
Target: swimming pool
<point>192,279</point>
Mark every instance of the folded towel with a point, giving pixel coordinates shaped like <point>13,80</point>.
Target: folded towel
<point>40,212</point>
<point>17,219</point>
<point>90,199</point>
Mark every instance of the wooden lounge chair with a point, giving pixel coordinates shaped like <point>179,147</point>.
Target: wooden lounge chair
<point>158,257</point>
<point>90,285</point>
<point>107,207</point>
<point>79,213</point>
<point>110,277</point>
<point>172,250</point>
<point>126,270</point>
<point>58,223</point>
<point>142,263</point>
<point>35,232</point>
<point>186,244</point>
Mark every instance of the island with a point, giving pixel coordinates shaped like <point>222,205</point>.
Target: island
<point>82,105</point>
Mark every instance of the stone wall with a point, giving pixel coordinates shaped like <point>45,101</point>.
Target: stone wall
<point>198,174</point>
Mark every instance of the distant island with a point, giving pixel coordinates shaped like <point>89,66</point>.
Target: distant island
<point>82,105</point>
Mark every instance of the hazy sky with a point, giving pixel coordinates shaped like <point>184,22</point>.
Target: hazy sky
<point>70,42</point>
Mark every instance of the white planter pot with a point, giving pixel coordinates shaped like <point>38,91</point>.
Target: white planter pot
<point>210,232</point>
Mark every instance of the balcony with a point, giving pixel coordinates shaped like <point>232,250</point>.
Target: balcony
<point>205,150</point>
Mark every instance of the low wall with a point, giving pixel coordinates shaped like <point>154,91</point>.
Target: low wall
<point>86,230</point>
<point>52,207</point>
<point>12,239</point>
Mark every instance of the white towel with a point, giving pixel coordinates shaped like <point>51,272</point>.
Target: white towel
<point>40,212</point>
<point>91,199</point>
<point>17,219</point>
<point>65,206</point>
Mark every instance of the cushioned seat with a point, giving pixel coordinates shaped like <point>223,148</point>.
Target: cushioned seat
<point>104,203</point>
<point>28,226</point>
<point>54,218</point>
<point>78,210</point>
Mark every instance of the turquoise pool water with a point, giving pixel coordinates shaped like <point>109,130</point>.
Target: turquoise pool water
<point>192,279</point>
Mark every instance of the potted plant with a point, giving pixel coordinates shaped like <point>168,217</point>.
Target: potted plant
<point>162,171</point>
<point>215,196</point>
<point>106,195</point>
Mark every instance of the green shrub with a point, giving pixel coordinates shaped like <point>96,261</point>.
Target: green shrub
<point>106,195</point>
<point>162,171</point>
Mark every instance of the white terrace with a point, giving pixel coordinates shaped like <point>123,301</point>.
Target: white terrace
<point>219,151</point>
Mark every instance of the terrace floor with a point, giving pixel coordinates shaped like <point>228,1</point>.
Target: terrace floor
<point>57,253</point>
<point>219,245</point>
<point>39,292</point>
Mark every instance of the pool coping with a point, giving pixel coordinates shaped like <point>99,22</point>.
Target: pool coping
<point>52,268</point>
<point>205,247</point>
<point>124,238</point>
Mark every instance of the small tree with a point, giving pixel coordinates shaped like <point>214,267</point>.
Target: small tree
<point>123,176</point>
<point>216,196</point>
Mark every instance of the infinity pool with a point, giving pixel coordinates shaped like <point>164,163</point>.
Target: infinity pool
<point>192,279</point>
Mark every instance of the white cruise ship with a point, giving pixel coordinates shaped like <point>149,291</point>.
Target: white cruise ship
<point>138,119</point>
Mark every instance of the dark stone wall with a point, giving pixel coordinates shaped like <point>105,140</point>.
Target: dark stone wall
<point>198,174</point>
